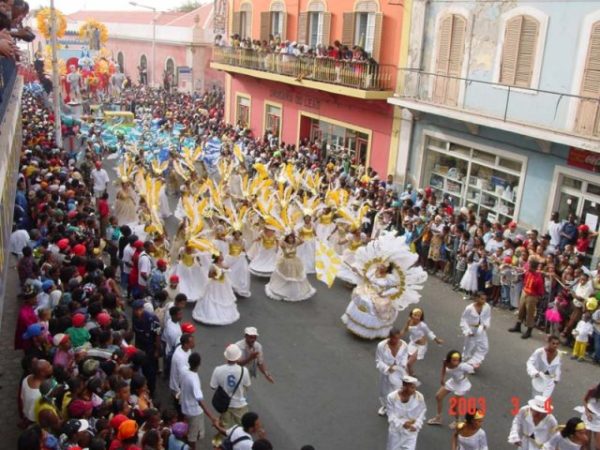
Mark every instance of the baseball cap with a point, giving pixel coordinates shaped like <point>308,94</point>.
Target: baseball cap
<point>116,421</point>
<point>33,330</point>
<point>78,320</point>
<point>59,339</point>
<point>103,319</point>
<point>188,328</point>
<point>173,279</point>
<point>137,304</point>
<point>127,429</point>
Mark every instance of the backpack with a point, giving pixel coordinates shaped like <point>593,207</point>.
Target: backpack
<point>228,444</point>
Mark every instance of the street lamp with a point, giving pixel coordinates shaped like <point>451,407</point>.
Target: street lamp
<point>153,37</point>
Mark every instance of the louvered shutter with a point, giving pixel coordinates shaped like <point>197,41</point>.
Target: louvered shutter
<point>348,28</point>
<point>326,28</point>
<point>442,59</point>
<point>377,36</point>
<point>587,115</point>
<point>283,26</point>
<point>237,23</point>
<point>265,25</point>
<point>302,28</point>
<point>510,50</point>
<point>455,59</point>
<point>527,51</point>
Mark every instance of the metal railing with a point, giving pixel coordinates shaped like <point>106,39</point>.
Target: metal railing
<point>355,74</point>
<point>8,75</point>
<point>568,113</point>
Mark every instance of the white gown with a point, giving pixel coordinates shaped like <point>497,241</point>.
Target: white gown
<point>308,248</point>
<point>218,304</point>
<point>370,315</point>
<point>288,281</point>
<point>192,270</point>
<point>264,258</point>
<point>398,413</point>
<point>384,360</point>
<point>239,273</point>
<point>469,280</point>
<point>345,273</point>
<point>325,227</point>
<point>163,203</point>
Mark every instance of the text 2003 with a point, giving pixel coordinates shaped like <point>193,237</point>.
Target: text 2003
<point>461,405</point>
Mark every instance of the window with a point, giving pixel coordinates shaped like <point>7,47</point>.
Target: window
<point>586,121</point>
<point>314,25</point>
<point>363,27</point>
<point>273,119</point>
<point>449,59</point>
<point>273,22</point>
<point>521,36</point>
<point>143,62</point>
<point>121,61</point>
<point>242,114</point>
<point>242,21</point>
<point>170,66</point>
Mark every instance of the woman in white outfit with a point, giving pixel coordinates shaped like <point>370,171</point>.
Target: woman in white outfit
<point>218,304</point>
<point>534,425</point>
<point>454,381</point>
<point>390,359</point>
<point>354,240</point>
<point>306,250</point>
<point>474,323</point>
<point>288,281</point>
<point>263,254</point>
<point>419,334</point>
<point>469,435</point>
<point>125,204</point>
<point>572,437</point>
<point>325,225</point>
<point>406,410</point>
<point>238,264</point>
<point>191,272</point>
<point>591,414</point>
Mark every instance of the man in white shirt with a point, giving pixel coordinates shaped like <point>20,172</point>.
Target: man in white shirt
<point>474,322</point>
<point>554,228</point>
<point>19,239</point>
<point>406,410</point>
<point>228,376</point>
<point>192,402</point>
<point>544,368</point>
<point>534,425</point>
<point>179,362</point>
<point>100,180</point>
<point>128,252</point>
<point>242,436</point>
<point>172,330</point>
<point>252,354</point>
<point>145,265</point>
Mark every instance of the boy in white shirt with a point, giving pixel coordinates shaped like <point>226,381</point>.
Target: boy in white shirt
<point>582,333</point>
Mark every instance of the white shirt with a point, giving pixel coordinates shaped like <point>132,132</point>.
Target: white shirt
<point>492,245</point>
<point>236,433</point>
<point>523,428</point>
<point>246,350</point>
<point>144,266</point>
<point>191,393</point>
<point>100,178</point>
<point>584,331</point>
<point>178,365</point>
<point>384,358</point>
<point>128,252</point>
<point>18,241</point>
<point>399,413</point>
<point>554,232</point>
<point>171,334</point>
<point>227,376</point>
<point>471,320</point>
<point>560,443</point>
<point>538,362</point>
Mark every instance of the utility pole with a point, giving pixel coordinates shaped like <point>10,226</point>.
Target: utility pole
<point>55,79</point>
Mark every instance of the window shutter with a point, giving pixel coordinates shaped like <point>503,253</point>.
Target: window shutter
<point>510,51</point>
<point>587,115</point>
<point>265,25</point>
<point>326,28</point>
<point>377,36</point>
<point>442,59</point>
<point>302,28</point>
<point>455,59</point>
<point>348,29</point>
<point>237,23</point>
<point>526,56</point>
<point>283,26</point>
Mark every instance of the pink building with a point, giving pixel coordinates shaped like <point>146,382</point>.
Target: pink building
<point>182,44</point>
<point>340,103</point>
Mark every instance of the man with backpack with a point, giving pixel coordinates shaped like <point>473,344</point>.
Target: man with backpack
<point>230,381</point>
<point>242,437</point>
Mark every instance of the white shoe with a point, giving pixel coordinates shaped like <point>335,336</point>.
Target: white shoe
<point>382,411</point>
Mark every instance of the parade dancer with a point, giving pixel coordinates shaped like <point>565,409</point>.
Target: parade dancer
<point>418,335</point>
<point>288,281</point>
<point>406,410</point>
<point>192,275</point>
<point>217,306</point>
<point>238,264</point>
<point>573,436</point>
<point>325,225</point>
<point>264,254</point>
<point>474,322</point>
<point>307,250</point>
<point>544,368</point>
<point>390,359</point>
<point>353,241</point>
<point>125,204</point>
<point>454,381</point>
<point>469,435</point>
<point>534,425</point>
<point>590,414</point>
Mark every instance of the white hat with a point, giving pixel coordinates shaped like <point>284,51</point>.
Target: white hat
<point>407,379</point>
<point>540,404</point>
<point>251,331</point>
<point>57,339</point>
<point>232,353</point>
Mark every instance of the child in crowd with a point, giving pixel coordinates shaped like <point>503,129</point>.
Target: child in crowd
<point>582,333</point>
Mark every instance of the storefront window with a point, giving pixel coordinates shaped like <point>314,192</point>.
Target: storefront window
<point>487,183</point>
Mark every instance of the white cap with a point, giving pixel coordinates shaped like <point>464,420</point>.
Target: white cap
<point>540,404</point>
<point>251,331</point>
<point>232,353</point>
<point>406,379</point>
<point>57,339</point>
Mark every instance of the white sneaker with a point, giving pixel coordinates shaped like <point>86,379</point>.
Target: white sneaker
<point>382,411</point>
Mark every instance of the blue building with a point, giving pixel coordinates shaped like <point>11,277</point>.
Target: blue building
<point>500,108</point>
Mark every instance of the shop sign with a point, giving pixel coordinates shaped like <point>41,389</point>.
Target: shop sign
<point>584,159</point>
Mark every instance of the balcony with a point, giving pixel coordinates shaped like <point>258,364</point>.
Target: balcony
<point>351,78</point>
<point>544,115</point>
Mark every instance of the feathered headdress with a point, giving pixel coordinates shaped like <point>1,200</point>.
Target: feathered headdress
<point>353,218</point>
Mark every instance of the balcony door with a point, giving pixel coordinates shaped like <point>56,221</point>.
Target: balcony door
<point>449,59</point>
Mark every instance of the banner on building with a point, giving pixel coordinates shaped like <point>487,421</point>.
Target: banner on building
<point>584,159</point>
<point>220,18</point>
<point>184,79</point>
